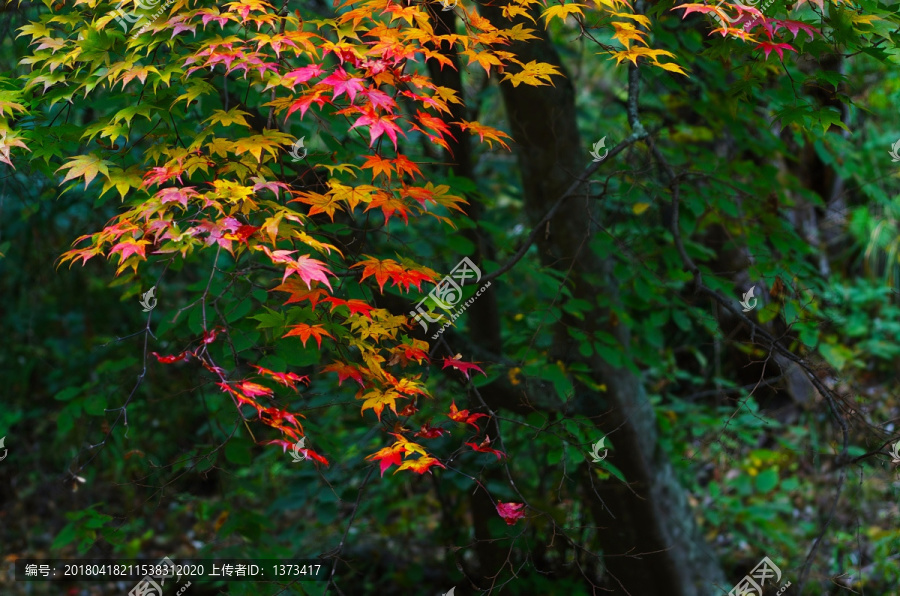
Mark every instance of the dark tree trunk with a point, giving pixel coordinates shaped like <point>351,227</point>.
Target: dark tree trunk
<point>649,539</point>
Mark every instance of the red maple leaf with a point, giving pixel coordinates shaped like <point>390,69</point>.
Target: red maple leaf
<point>286,379</point>
<point>408,410</point>
<point>299,292</point>
<point>485,447</point>
<point>463,367</point>
<point>210,337</point>
<point>240,397</point>
<point>430,432</point>
<point>389,269</point>
<point>510,512</point>
<point>779,48</point>
<point>346,371</point>
<point>378,125</point>
<point>355,306</point>
<point>464,416</point>
<point>170,359</point>
<point>387,457</point>
<point>253,389</point>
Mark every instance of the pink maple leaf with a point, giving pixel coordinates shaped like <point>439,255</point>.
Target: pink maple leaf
<point>510,512</point>
<point>378,125</point>
<point>308,269</point>
<point>767,47</point>
<point>301,75</point>
<point>795,26</point>
<point>343,83</point>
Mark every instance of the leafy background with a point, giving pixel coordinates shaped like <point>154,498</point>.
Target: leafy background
<point>185,479</point>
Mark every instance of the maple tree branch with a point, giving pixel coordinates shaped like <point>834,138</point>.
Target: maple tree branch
<point>340,547</point>
<point>570,192</point>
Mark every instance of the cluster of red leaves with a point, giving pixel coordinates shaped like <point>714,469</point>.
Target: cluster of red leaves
<point>245,392</point>
<point>749,19</point>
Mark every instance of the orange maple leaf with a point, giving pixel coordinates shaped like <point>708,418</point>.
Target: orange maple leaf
<point>303,331</point>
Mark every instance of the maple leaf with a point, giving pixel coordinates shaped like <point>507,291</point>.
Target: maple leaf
<point>304,331</point>
<point>342,83</point>
<point>209,337</point>
<point>129,247</point>
<point>301,75</point>
<point>355,306</point>
<point>346,371</point>
<point>379,166</point>
<point>795,27</point>
<point>299,292</point>
<point>510,512</point>
<point>387,457</point>
<point>240,397</point>
<point>779,48</point>
<point>636,52</point>
<point>277,418</point>
<point>430,432</point>
<point>561,12</point>
<point>534,73</point>
<point>420,465</point>
<point>308,269</point>
<point>310,454</point>
<point>377,399</point>
<point>253,389</point>
<point>319,203</point>
<point>390,204</point>
<point>464,367</point>
<point>408,410</point>
<point>485,131</point>
<point>87,166</point>
<point>287,379</point>
<point>378,125</point>
<point>389,269</point>
<point>485,447</point>
<point>464,416</point>
<point>170,359</point>
<point>484,59</point>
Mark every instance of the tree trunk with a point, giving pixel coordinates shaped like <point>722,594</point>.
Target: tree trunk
<point>650,542</point>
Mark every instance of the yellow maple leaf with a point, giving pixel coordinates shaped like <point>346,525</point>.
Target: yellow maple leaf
<point>376,400</point>
<point>670,66</point>
<point>625,32</point>
<point>561,12</point>
<point>532,74</point>
<point>634,53</point>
